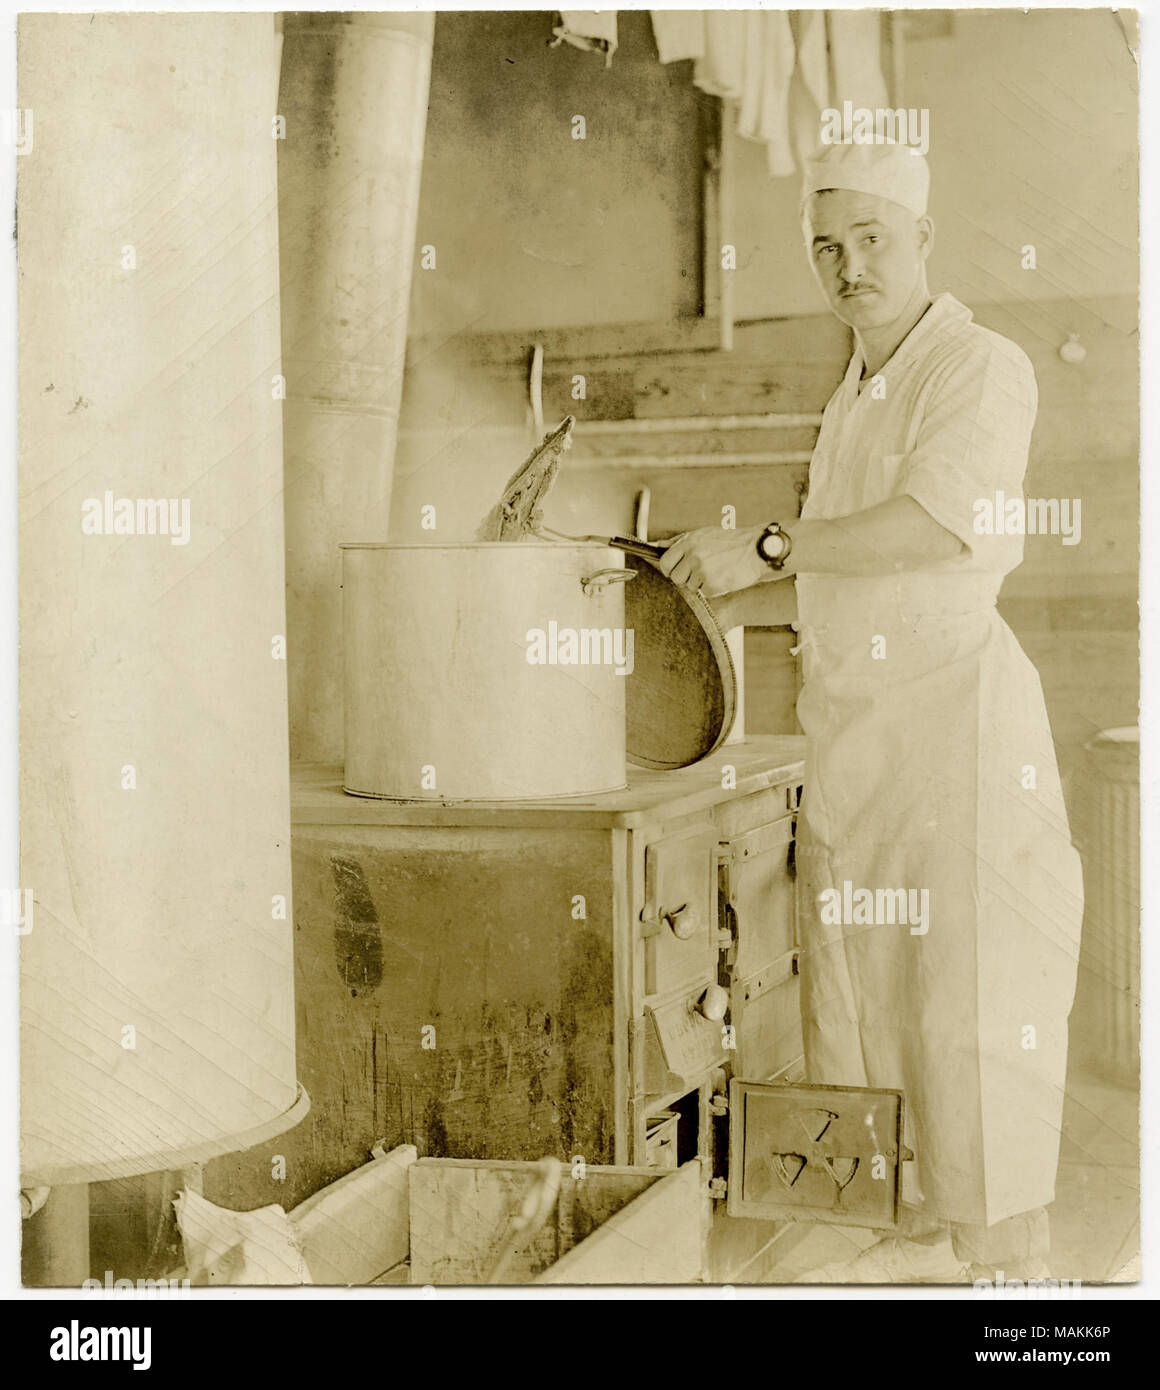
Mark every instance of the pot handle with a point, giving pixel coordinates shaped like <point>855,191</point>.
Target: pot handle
<point>596,583</point>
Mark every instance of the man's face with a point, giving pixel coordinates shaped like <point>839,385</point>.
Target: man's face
<point>867,255</point>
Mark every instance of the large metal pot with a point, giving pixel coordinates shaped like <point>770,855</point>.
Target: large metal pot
<point>463,679</point>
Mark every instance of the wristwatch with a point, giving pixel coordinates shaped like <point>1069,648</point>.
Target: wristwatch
<point>774,553</point>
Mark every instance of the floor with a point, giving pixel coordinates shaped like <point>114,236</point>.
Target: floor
<point>1096,1213</point>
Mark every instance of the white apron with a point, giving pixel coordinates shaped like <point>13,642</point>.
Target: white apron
<point>930,766</point>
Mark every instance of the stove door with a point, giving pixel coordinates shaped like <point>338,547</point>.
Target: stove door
<point>756,893</point>
<point>814,1153</point>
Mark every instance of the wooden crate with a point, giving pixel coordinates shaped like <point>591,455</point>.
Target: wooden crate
<point>610,1225</point>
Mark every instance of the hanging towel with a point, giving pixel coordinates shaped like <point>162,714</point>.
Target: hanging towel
<point>781,68</point>
<point>679,34</point>
<point>813,56</point>
<point>810,88</point>
<point>721,72</point>
<point>767,73</point>
<point>855,59</point>
<point>594,30</point>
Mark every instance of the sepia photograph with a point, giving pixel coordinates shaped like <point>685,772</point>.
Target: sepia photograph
<point>579,690</point>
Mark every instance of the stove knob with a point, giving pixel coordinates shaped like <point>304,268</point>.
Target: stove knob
<point>683,922</point>
<point>714,1003</point>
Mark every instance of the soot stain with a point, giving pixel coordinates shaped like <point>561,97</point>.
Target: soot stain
<point>587,989</point>
<point>358,939</point>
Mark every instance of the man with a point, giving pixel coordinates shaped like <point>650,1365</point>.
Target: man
<point>930,765</point>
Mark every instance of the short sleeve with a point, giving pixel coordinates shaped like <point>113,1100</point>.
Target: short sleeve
<point>970,453</point>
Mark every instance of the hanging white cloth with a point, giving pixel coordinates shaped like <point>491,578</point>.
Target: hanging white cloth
<point>721,72</point>
<point>767,74</point>
<point>810,87</point>
<point>679,34</point>
<point>781,68</point>
<point>855,58</point>
<point>813,55</point>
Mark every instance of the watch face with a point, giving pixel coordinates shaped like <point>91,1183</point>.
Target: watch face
<point>770,546</point>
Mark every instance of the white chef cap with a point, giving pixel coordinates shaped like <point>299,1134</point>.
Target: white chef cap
<point>897,172</point>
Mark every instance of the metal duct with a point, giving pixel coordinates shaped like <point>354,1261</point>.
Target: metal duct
<point>354,97</point>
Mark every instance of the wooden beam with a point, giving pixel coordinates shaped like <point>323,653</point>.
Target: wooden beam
<point>676,424</point>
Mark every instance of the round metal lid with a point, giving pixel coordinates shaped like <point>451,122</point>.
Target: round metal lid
<point>681,697</point>
<point>682,693</point>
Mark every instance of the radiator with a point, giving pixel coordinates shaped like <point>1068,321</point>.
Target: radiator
<point>1105,1022</point>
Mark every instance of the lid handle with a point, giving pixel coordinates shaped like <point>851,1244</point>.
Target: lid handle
<point>598,582</point>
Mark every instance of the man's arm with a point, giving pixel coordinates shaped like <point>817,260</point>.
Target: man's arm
<point>763,605</point>
<point>898,534</point>
<point>972,440</point>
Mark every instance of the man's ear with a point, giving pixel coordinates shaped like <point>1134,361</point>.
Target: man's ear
<point>925,236</point>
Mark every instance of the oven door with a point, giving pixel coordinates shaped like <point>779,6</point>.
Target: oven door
<point>757,908</point>
<point>814,1153</point>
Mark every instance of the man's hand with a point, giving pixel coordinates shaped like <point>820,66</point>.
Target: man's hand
<point>716,561</point>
